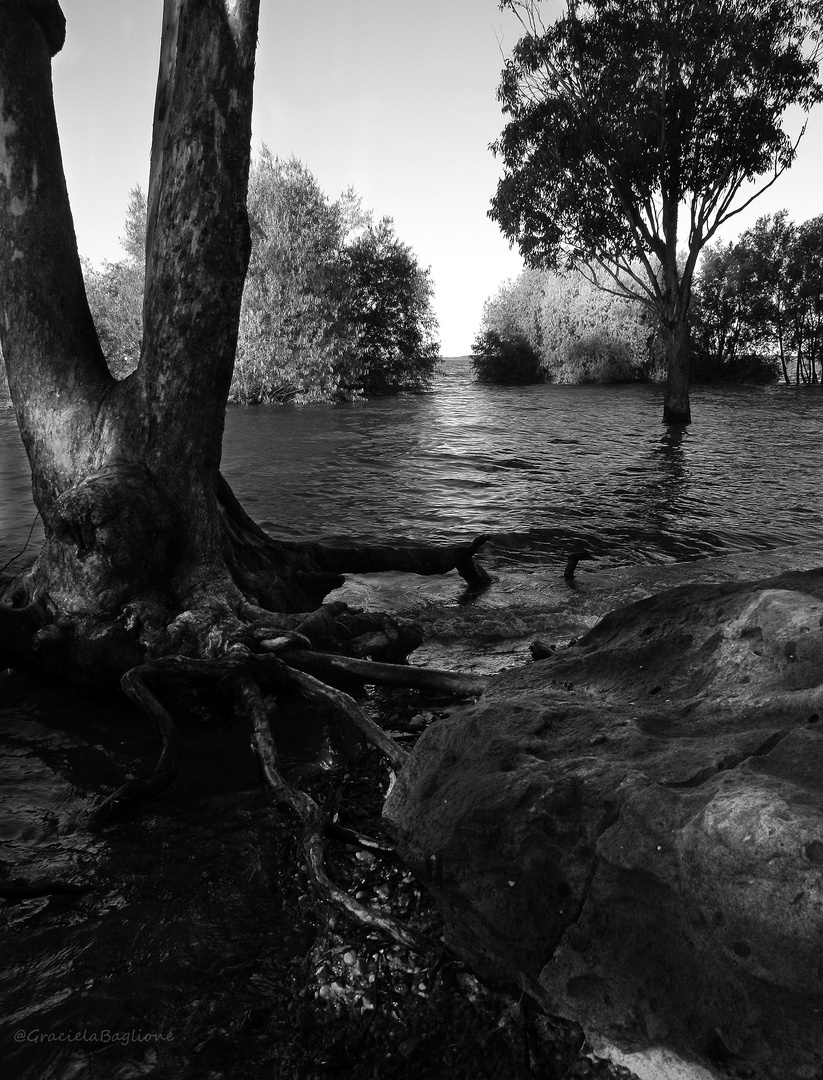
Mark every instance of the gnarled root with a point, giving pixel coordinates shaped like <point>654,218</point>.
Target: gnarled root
<point>136,790</point>
<point>314,822</point>
<point>347,705</point>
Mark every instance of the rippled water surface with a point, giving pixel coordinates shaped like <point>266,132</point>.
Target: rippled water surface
<point>539,468</point>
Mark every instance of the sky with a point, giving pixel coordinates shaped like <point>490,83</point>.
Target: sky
<point>395,99</point>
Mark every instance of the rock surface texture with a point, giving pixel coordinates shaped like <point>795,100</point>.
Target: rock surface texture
<point>632,830</point>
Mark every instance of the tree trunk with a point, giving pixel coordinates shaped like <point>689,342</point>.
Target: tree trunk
<point>146,551</point>
<point>676,405</point>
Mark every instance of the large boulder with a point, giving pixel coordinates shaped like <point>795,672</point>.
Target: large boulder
<point>632,830</point>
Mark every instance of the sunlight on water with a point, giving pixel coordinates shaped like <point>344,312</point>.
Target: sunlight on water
<point>541,468</point>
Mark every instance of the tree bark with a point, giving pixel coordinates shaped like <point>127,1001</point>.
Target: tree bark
<point>147,552</point>
<point>676,404</point>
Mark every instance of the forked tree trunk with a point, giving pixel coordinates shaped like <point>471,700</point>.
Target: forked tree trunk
<point>146,549</point>
<point>124,474</point>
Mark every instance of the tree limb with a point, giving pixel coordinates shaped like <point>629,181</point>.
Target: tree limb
<point>425,559</point>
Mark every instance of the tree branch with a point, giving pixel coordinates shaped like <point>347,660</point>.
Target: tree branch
<point>54,361</point>
<point>367,671</point>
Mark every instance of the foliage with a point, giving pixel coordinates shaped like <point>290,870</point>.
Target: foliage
<point>758,307</point>
<point>115,293</point>
<point>505,357</point>
<point>334,306</point>
<point>621,114</point>
<point>387,306</point>
<point>545,326</point>
<point>289,340</point>
<point>805,274</point>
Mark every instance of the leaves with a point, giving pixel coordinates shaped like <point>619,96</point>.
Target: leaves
<point>334,306</point>
<point>761,299</point>
<point>628,119</point>
<point>550,327</point>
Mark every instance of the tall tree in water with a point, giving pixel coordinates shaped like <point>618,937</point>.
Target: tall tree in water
<point>150,569</point>
<point>632,130</point>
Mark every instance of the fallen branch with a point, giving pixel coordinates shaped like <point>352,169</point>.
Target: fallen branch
<point>314,822</point>
<point>449,682</point>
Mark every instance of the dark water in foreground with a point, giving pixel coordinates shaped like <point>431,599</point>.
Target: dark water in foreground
<point>542,470</point>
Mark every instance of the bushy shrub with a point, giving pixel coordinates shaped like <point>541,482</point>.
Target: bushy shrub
<point>548,327</point>
<point>596,358</point>
<point>505,359</point>
<point>334,305</point>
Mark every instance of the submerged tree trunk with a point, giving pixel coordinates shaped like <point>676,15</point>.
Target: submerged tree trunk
<point>676,404</point>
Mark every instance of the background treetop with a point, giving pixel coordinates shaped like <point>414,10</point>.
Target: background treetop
<point>633,126</point>
<point>619,113</point>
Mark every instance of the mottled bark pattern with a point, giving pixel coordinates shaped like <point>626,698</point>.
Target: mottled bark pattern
<point>125,473</point>
<point>147,551</point>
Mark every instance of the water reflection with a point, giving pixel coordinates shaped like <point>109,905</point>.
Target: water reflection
<point>669,482</point>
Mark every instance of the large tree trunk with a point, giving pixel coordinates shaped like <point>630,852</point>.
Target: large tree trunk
<point>146,552</point>
<point>676,404</point>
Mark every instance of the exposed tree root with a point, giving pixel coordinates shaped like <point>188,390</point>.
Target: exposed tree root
<point>314,823</point>
<point>367,671</point>
<point>135,688</point>
<point>18,627</point>
<point>349,707</point>
<point>241,630</point>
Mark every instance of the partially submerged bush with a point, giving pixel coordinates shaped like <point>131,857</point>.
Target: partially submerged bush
<point>550,327</point>
<point>597,358</point>
<point>505,358</point>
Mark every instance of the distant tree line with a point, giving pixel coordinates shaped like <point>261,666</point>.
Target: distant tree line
<point>756,315</point>
<point>758,310</point>
<point>335,306</point>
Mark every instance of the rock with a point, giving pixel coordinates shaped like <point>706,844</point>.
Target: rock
<point>632,830</point>
<point>540,650</point>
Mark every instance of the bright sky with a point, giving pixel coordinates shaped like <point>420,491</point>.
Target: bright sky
<point>396,99</point>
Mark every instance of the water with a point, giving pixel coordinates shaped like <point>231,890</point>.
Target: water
<point>539,468</point>
<point>542,470</point>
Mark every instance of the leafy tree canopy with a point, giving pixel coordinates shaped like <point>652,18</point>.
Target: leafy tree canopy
<point>626,116</point>
<point>759,302</point>
<point>334,305</point>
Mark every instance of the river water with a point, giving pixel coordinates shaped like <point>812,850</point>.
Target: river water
<point>543,471</point>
